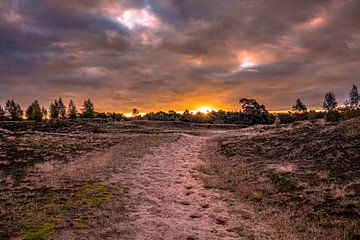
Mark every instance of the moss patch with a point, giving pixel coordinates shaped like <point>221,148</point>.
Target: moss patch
<point>38,232</point>
<point>93,195</point>
<point>71,206</point>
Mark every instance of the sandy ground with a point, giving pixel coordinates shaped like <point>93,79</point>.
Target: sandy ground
<point>166,198</point>
<point>158,188</point>
<point>162,192</point>
<point>170,200</point>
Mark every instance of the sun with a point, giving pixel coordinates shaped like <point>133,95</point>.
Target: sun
<point>205,109</point>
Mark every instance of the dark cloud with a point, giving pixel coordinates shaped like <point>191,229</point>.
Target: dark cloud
<point>159,54</point>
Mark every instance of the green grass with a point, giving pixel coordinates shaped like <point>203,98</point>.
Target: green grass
<point>94,195</point>
<point>38,232</point>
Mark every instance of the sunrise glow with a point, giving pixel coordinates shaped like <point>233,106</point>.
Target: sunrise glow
<point>205,109</point>
<point>162,55</point>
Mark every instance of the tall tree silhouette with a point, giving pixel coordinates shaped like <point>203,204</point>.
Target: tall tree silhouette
<point>72,111</point>
<point>2,113</point>
<point>354,97</point>
<point>299,106</point>
<point>61,108</point>
<point>329,103</point>
<point>54,110</point>
<point>34,112</point>
<point>88,109</point>
<point>44,112</point>
<point>14,110</point>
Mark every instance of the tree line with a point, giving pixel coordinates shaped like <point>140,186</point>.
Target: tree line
<point>332,111</point>
<point>57,110</point>
<point>251,112</point>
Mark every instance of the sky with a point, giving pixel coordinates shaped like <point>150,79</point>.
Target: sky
<point>178,54</point>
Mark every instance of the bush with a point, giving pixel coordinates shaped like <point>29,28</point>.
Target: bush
<point>351,113</point>
<point>333,116</point>
<point>315,115</point>
<point>286,118</point>
<point>300,116</point>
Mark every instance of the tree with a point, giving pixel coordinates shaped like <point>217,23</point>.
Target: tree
<point>299,106</point>
<point>54,110</point>
<point>14,110</point>
<point>354,97</point>
<point>57,109</point>
<point>135,112</point>
<point>61,108</point>
<point>251,106</point>
<point>2,113</point>
<point>44,112</point>
<point>34,112</point>
<point>253,112</point>
<point>330,103</point>
<point>88,109</point>
<point>72,111</point>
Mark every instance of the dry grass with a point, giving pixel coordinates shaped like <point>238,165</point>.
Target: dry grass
<point>64,179</point>
<point>303,181</point>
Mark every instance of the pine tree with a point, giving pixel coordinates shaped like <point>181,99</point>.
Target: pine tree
<point>2,113</point>
<point>354,97</point>
<point>72,111</point>
<point>54,110</point>
<point>44,112</point>
<point>330,103</point>
<point>299,106</point>
<point>14,110</point>
<point>34,112</point>
<point>61,108</point>
<point>88,109</point>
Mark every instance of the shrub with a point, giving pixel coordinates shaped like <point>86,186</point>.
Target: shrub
<point>351,113</point>
<point>333,116</point>
<point>312,114</point>
<point>286,118</point>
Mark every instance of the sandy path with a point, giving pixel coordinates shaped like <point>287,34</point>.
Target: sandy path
<point>169,200</point>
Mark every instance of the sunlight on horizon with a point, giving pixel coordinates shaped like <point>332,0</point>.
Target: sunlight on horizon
<point>205,109</point>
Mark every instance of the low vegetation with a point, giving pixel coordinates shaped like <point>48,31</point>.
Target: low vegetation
<point>306,175</point>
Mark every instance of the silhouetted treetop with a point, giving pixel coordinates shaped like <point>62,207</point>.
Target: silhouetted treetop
<point>354,97</point>
<point>329,101</point>
<point>299,106</point>
<point>34,112</point>
<point>72,111</point>
<point>14,110</point>
<point>88,109</point>
<point>251,106</point>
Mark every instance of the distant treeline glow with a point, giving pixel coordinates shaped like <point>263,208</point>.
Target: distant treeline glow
<point>251,112</point>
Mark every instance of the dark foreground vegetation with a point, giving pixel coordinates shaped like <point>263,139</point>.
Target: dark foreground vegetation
<point>305,176</point>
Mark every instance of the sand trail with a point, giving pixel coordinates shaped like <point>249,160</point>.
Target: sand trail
<point>169,200</point>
